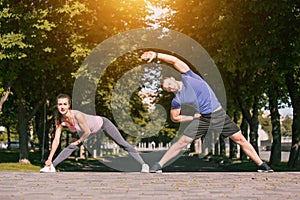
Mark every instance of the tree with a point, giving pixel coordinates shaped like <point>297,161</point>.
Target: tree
<point>293,84</point>
<point>8,117</point>
<point>36,44</point>
<point>290,67</point>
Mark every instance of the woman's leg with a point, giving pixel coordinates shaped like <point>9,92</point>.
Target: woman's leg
<point>64,154</point>
<point>111,130</point>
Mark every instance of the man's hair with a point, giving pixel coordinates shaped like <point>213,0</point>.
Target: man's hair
<point>162,82</point>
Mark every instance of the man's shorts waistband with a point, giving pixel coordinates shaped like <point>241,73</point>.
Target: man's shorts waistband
<point>216,110</point>
<point>219,108</point>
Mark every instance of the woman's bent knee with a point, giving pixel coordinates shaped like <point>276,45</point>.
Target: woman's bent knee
<point>130,149</point>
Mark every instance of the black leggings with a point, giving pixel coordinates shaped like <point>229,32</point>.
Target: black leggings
<point>110,129</point>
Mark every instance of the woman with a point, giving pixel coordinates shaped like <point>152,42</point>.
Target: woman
<point>80,122</point>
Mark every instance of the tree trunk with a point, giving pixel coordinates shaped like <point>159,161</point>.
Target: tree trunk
<point>232,144</point>
<point>8,136</point>
<point>217,152</point>
<point>244,129</point>
<point>294,159</point>
<point>23,120</point>
<point>39,128</point>
<point>222,145</point>
<point>293,87</point>
<point>275,158</point>
<point>22,128</point>
<point>254,126</point>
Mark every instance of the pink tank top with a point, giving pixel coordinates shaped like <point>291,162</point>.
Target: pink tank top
<point>94,123</point>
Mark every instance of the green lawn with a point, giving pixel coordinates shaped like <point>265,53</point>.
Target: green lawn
<point>9,161</point>
<point>18,167</point>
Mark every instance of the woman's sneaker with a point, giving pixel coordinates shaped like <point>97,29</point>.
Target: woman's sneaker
<point>264,167</point>
<point>156,168</point>
<point>145,168</point>
<point>47,169</point>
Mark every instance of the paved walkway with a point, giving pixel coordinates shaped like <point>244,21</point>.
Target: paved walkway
<point>134,185</point>
<point>187,178</point>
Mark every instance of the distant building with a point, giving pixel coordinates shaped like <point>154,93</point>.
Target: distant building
<point>262,134</point>
<point>2,128</point>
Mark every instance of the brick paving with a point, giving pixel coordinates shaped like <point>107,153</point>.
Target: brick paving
<point>135,185</point>
<point>187,178</point>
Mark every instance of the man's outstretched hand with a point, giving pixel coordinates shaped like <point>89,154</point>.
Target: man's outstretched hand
<point>149,56</point>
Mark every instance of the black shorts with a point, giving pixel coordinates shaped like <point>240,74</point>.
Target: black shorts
<point>217,122</point>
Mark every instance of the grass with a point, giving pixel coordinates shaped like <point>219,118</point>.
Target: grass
<point>9,161</point>
<point>18,167</point>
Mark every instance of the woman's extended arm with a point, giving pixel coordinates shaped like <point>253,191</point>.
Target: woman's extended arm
<point>55,144</point>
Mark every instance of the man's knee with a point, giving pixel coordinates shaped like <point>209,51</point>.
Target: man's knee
<point>238,138</point>
<point>184,141</point>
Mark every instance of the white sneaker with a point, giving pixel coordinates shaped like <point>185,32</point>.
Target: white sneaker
<point>145,168</point>
<point>47,169</point>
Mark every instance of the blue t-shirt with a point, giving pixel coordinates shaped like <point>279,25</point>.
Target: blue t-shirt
<point>196,93</point>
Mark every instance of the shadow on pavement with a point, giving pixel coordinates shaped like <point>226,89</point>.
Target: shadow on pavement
<point>182,164</point>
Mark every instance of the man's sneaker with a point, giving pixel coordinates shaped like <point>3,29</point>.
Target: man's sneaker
<point>47,169</point>
<point>145,168</point>
<point>156,168</point>
<point>264,167</point>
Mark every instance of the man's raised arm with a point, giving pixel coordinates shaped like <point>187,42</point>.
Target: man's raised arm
<point>178,64</point>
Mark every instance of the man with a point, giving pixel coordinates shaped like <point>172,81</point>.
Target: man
<point>210,115</point>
